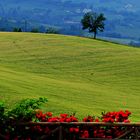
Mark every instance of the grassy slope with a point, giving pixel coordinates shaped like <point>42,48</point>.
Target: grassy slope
<point>75,74</point>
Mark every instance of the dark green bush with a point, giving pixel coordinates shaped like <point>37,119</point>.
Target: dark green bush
<point>17,30</point>
<point>35,30</point>
<point>52,30</point>
<point>25,109</point>
<point>2,109</point>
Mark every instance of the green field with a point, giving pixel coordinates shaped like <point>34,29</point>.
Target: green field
<point>76,74</point>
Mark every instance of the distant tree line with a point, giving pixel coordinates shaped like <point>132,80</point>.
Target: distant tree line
<point>135,44</point>
<point>49,30</point>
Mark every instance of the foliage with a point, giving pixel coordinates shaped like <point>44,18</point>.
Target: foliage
<point>93,22</point>
<point>52,30</point>
<point>2,109</point>
<point>26,109</point>
<point>35,30</point>
<point>17,30</point>
<point>23,111</point>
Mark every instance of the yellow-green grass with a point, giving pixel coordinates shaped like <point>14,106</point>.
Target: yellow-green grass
<point>76,74</point>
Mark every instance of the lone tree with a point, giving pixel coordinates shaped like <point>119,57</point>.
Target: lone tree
<point>17,30</point>
<point>93,22</point>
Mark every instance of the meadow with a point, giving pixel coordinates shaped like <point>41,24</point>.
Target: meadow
<point>77,75</point>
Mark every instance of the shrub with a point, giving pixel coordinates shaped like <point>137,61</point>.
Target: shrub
<point>17,30</point>
<point>52,30</point>
<point>35,30</point>
<point>25,110</point>
<point>2,109</point>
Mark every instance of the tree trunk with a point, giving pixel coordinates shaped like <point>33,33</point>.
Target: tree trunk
<point>95,33</point>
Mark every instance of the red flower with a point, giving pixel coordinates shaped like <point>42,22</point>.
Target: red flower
<point>126,121</point>
<point>49,114</point>
<point>54,119</point>
<point>88,119</point>
<point>71,119</point>
<point>74,130</point>
<point>71,130</point>
<point>63,115</point>
<point>97,120</point>
<point>109,137</point>
<point>85,134</point>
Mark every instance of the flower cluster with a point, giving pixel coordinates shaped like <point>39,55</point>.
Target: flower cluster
<point>90,132</point>
<point>48,117</point>
<point>74,132</point>
<point>121,116</point>
<point>106,132</point>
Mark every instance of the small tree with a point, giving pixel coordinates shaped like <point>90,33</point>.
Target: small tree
<point>52,30</point>
<point>93,22</point>
<point>35,30</point>
<point>17,30</point>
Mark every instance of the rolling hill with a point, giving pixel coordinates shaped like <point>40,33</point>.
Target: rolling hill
<point>76,74</point>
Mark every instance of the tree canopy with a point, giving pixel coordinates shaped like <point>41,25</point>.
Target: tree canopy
<point>93,22</point>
